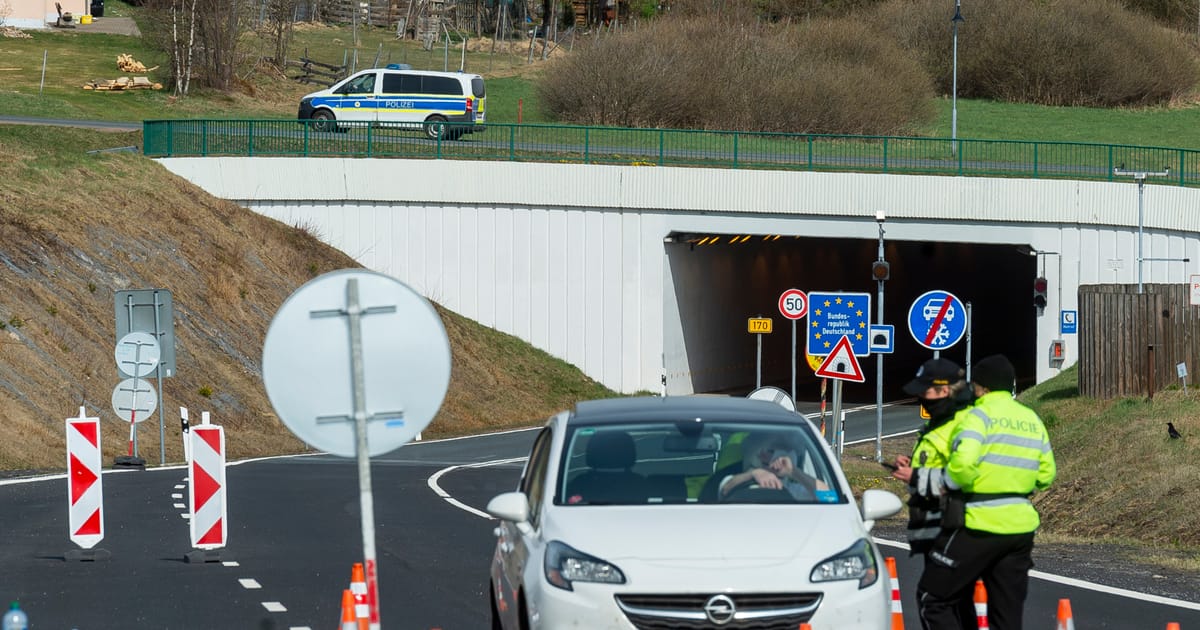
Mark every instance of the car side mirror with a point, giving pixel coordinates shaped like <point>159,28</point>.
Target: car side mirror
<point>511,506</point>
<point>877,504</point>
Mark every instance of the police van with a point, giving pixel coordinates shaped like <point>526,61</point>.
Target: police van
<point>402,97</point>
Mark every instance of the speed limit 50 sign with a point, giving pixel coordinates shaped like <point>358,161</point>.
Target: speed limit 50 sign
<point>793,304</point>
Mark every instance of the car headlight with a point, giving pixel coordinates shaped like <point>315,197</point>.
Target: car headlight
<point>565,564</point>
<point>856,563</point>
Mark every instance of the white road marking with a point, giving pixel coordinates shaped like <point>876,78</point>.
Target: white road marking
<point>433,485</point>
<point>177,495</point>
<point>230,563</point>
<point>185,515</point>
<point>179,505</point>
<point>249,583</point>
<point>274,607</point>
<point>180,486</point>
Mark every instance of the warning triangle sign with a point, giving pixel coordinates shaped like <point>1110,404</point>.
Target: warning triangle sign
<point>841,363</point>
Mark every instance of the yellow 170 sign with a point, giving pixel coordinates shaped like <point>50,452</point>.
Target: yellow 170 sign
<point>758,325</point>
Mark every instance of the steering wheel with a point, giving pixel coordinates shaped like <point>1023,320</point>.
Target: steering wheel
<point>754,493</point>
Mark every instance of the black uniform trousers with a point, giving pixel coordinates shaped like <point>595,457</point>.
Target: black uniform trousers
<point>957,560</point>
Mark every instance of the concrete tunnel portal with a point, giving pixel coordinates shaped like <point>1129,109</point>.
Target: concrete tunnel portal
<point>717,281</point>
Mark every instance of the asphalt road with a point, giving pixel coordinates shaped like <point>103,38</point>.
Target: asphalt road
<point>294,532</point>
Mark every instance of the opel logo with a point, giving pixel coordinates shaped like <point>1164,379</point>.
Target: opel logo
<point>719,609</point>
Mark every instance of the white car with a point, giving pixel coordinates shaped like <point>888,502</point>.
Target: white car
<point>686,512</point>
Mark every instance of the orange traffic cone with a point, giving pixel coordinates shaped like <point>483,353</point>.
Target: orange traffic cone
<point>981,618</point>
<point>1066,621</point>
<point>358,586</point>
<point>348,620</point>
<point>805,626</point>
<point>897,612</point>
<point>1173,625</point>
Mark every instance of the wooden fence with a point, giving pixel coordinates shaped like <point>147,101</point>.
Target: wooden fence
<point>1130,344</point>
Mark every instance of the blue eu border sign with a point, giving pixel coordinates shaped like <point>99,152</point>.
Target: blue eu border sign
<point>832,315</point>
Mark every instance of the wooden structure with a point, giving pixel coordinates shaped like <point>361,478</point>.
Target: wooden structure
<point>312,71</point>
<point>1130,343</point>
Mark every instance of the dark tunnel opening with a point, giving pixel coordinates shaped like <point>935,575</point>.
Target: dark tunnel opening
<point>721,282</point>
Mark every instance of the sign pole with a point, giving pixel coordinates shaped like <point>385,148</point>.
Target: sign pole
<point>758,364</point>
<point>793,360</point>
<point>366,498</point>
<point>968,336</point>
<point>837,414</point>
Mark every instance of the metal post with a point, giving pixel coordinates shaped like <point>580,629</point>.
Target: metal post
<point>837,415</point>
<point>1140,178</point>
<point>162,421</point>
<point>968,305</point>
<point>793,361</point>
<point>758,364</point>
<point>879,218</point>
<point>366,499</point>
<point>954,90</point>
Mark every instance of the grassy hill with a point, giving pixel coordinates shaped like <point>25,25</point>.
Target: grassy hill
<point>75,227</point>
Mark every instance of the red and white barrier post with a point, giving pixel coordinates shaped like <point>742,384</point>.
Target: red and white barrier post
<point>85,488</point>
<point>206,490</point>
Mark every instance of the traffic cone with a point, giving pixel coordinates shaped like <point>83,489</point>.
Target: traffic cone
<point>897,613</point>
<point>805,626</point>
<point>1066,621</point>
<point>1173,625</point>
<point>358,586</point>
<point>348,620</point>
<point>981,618</point>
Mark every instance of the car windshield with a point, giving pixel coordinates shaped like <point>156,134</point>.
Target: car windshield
<point>686,462</point>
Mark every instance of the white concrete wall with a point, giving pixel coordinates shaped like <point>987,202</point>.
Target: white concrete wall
<point>571,257</point>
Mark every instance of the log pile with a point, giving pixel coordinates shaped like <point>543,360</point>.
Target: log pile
<point>122,84</point>
<point>126,63</point>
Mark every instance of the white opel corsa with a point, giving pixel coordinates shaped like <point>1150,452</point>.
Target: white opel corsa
<point>686,512</point>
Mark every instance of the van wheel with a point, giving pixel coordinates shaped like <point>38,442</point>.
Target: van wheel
<point>323,121</point>
<point>435,128</point>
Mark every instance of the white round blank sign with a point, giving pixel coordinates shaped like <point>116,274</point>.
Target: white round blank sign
<point>307,362</point>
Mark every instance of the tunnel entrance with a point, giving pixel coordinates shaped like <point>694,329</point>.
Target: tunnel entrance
<point>715,282</point>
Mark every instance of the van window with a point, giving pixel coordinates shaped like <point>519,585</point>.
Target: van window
<point>442,85</point>
<point>393,83</point>
<point>477,87</point>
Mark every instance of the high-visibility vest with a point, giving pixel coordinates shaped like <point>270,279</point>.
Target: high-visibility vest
<point>931,451</point>
<point>1000,454</point>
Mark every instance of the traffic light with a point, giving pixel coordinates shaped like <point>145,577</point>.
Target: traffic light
<point>1039,293</point>
<point>880,270</point>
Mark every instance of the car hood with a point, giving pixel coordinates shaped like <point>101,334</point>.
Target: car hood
<point>691,536</point>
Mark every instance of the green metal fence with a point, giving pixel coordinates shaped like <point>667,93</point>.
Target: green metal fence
<point>671,147</point>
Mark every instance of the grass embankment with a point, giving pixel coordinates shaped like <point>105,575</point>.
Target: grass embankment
<point>76,227</point>
<point>1120,478</point>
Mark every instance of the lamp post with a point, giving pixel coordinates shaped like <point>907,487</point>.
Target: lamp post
<point>1140,178</point>
<point>881,271</point>
<point>954,89</point>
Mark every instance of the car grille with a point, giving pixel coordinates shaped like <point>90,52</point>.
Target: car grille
<point>753,611</point>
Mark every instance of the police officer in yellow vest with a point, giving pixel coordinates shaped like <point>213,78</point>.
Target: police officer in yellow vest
<point>1000,455</point>
<point>943,393</point>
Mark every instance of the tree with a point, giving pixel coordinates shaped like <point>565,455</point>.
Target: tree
<point>200,38</point>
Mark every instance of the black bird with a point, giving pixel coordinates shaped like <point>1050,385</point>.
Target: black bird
<point>1173,432</point>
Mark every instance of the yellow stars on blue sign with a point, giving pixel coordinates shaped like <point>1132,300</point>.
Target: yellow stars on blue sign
<point>838,315</point>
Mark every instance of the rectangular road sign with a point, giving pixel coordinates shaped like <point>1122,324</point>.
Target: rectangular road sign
<point>883,338</point>
<point>759,325</point>
<point>1069,323</point>
<point>149,311</point>
<point>832,316</point>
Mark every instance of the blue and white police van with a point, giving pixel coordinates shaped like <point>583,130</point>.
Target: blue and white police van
<point>444,105</point>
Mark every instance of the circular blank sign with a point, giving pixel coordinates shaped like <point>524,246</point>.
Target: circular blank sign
<point>137,354</point>
<point>775,395</point>
<point>134,397</point>
<point>307,362</point>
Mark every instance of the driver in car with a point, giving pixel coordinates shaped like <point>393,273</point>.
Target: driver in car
<point>769,462</point>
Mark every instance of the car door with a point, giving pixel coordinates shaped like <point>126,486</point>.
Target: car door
<point>523,545</point>
<point>357,98</point>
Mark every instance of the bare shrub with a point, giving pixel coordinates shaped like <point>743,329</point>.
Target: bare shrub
<point>824,76</point>
<point>1061,52</point>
